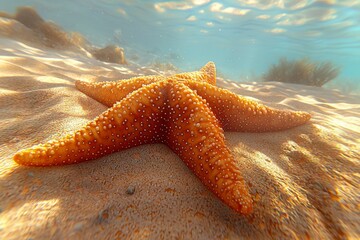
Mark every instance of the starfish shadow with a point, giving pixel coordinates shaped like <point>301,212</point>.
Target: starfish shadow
<point>165,190</point>
<point>294,182</point>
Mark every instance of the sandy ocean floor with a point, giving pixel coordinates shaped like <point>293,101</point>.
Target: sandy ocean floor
<point>304,181</point>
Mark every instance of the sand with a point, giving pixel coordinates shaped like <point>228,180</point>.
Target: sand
<point>26,25</point>
<point>305,181</point>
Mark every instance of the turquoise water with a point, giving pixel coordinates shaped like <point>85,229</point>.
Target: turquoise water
<point>244,37</point>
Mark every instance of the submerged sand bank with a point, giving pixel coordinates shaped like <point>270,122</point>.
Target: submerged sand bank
<point>305,181</point>
<point>26,25</point>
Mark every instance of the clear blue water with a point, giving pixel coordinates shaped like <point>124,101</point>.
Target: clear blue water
<point>242,37</point>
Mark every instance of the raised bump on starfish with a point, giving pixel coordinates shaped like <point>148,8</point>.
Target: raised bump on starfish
<point>186,115</point>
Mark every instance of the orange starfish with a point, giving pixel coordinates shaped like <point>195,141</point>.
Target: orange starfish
<point>185,111</point>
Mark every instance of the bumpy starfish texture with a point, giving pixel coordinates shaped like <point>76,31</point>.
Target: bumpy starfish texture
<point>184,111</point>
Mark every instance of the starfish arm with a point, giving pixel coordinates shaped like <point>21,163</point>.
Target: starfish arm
<point>108,93</point>
<point>237,113</point>
<point>206,74</point>
<point>196,137</point>
<point>131,122</point>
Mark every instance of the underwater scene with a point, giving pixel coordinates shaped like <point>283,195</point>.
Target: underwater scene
<point>188,119</point>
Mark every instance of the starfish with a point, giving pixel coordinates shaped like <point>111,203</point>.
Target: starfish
<point>187,112</point>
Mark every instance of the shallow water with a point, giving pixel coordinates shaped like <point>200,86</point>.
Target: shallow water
<point>243,37</point>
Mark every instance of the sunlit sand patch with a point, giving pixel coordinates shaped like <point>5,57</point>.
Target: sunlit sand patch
<point>6,91</point>
<point>234,84</point>
<point>331,133</point>
<point>284,179</point>
<point>30,50</point>
<point>33,214</point>
<point>76,63</point>
<point>6,168</point>
<point>124,70</point>
<point>50,79</point>
<point>11,69</point>
<point>344,122</point>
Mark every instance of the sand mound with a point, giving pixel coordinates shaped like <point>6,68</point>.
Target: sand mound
<point>28,26</point>
<point>305,181</point>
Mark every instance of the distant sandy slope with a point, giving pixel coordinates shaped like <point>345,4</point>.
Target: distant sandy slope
<point>305,181</point>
